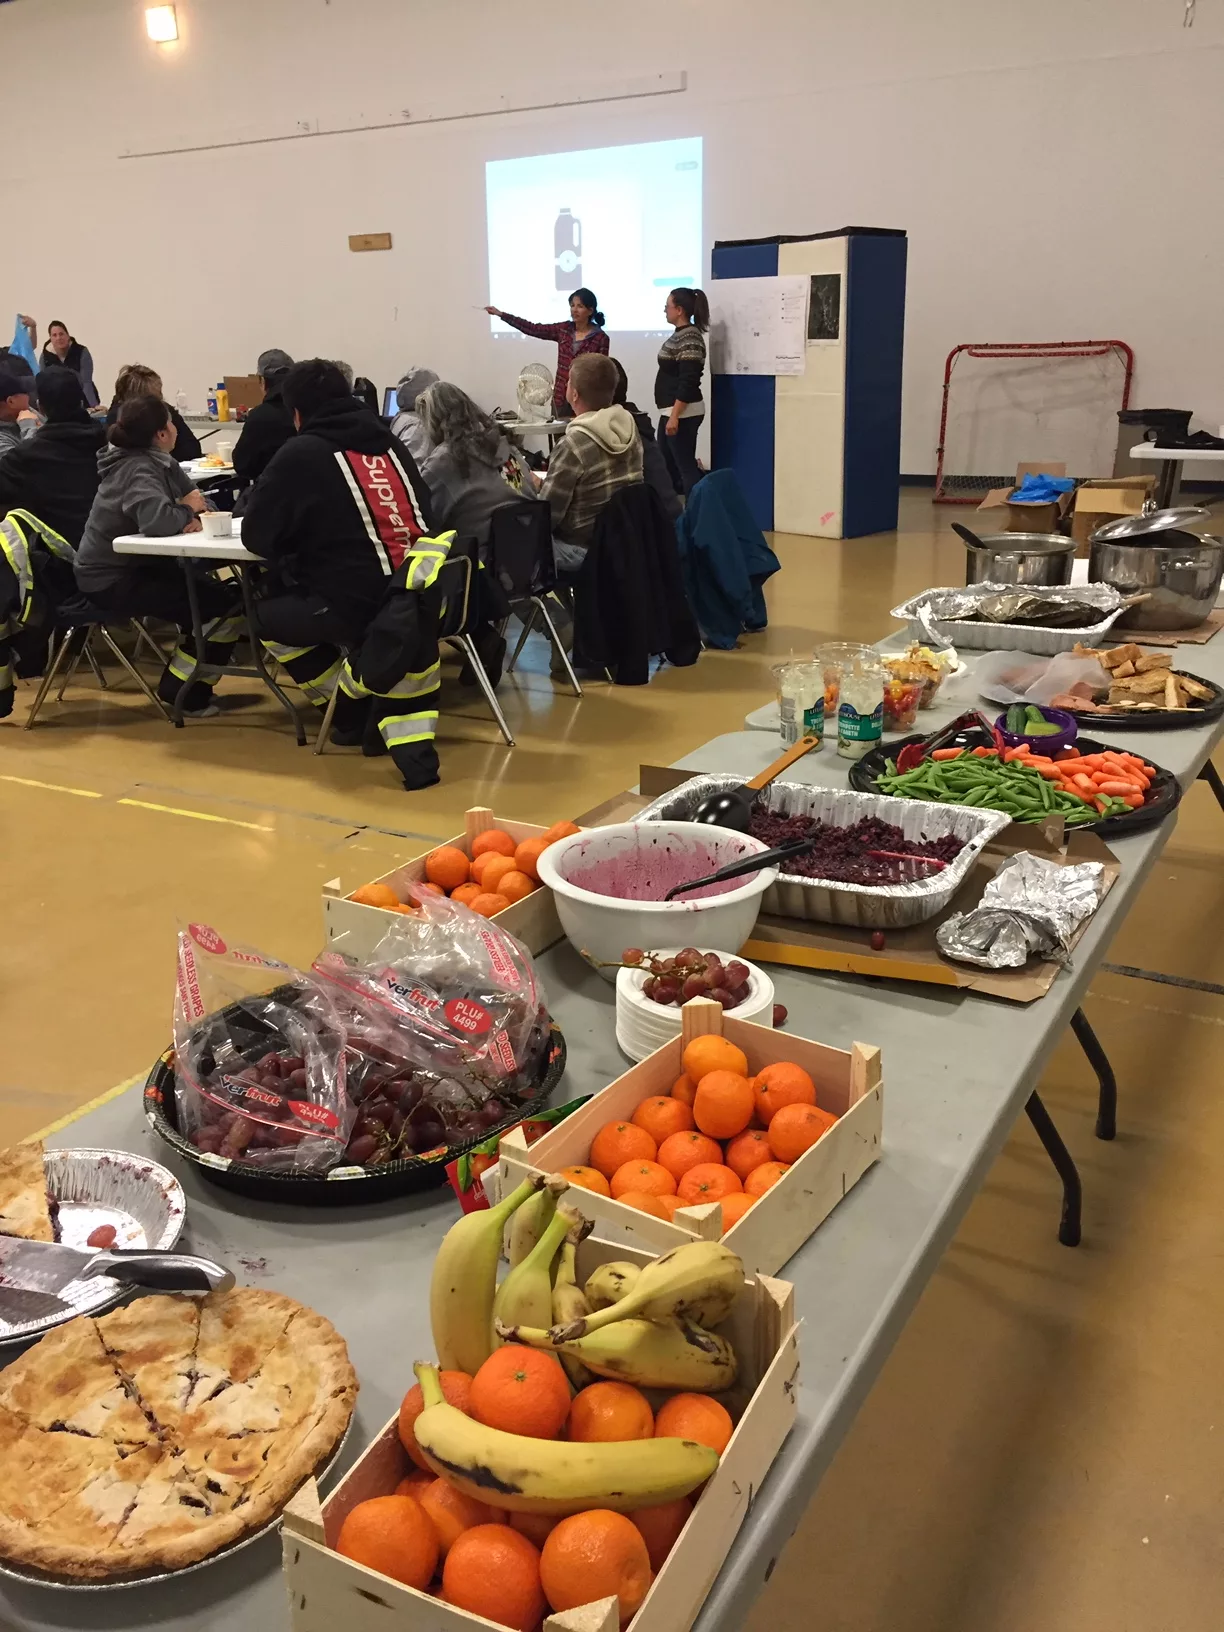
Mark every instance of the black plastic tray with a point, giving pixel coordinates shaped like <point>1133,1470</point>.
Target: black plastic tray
<point>1160,719</point>
<point>1163,795</point>
<point>398,1178</point>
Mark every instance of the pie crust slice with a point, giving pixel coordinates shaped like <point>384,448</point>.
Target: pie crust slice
<point>152,1344</point>
<point>67,1382</point>
<point>23,1193</point>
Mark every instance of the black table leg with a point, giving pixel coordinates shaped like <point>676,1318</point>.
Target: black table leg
<point>257,656</point>
<point>1107,1098</point>
<point>1168,482</point>
<point>1211,776</point>
<point>1069,1224</point>
<point>197,633</point>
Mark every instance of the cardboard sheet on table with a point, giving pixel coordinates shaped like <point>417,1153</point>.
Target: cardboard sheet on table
<point>1174,637</point>
<point>910,954</point>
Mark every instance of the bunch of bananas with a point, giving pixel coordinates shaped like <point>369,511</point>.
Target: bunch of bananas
<point>646,1326</point>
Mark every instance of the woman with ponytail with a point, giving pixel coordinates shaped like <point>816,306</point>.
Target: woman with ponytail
<point>682,359</point>
<point>582,334</point>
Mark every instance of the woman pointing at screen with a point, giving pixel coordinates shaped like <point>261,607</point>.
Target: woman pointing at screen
<point>583,333</point>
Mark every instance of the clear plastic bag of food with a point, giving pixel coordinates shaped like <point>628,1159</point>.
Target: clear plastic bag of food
<point>1019,677</point>
<point>259,1052</point>
<point>449,1002</point>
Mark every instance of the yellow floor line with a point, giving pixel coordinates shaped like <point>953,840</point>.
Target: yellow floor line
<point>196,815</point>
<point>52,787</point>
<point>90,1105</point>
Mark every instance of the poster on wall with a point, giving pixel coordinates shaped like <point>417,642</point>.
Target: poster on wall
<point>824,307</point>
<point>758,325</point>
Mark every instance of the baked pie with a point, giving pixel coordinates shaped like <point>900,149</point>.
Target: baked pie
<point>164,1431</point>
<point>24,1208</point>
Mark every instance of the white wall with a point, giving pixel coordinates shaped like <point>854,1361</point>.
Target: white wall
<point>1054,164</point>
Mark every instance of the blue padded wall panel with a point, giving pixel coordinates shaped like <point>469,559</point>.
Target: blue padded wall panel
<point>742,430</point>
<point>875,330</point>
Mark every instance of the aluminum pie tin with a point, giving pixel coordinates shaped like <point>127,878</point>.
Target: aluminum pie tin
<point>141,1199</point>
<point>968,635</point>
<point>62,1584</point>
<point>828,901</point>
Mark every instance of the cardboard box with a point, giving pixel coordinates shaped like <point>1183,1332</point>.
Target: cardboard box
<point>848,1083</point>
<point>1025,517</point>
<point>245,391</point>
<point>1103,499</point>
<point>327,1590</point>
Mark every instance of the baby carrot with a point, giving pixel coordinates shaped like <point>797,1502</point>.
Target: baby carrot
<point>947,753</point>
<point>1122,789</point>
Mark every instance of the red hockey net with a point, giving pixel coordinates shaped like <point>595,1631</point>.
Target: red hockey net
<point>1009,404</point>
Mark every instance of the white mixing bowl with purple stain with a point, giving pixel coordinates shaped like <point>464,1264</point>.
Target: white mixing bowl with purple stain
<point>609,882</point>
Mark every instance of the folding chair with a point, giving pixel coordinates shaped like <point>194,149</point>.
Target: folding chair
<point>520,540</point>
<point>75,628</point>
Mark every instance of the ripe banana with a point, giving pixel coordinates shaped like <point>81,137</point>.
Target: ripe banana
<point>533,1218</point>
<point>465,1279</point>
<point>526,1293</point>
<point>646,1353</point>
<point>698,1282</point>
<point>610,1283</point>
<point>548,1475</point>
<point>569,1301</point>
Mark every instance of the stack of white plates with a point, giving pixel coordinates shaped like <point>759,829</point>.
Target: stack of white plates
<point>643,1026</point>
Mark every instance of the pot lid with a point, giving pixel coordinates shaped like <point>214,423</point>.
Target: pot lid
<point>1156,521</point>
<point>1023,543</point>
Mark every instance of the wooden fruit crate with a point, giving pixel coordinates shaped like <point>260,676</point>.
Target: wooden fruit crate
<point>848,1083</point>
<point>327,1591</point>
<point>355,929</point>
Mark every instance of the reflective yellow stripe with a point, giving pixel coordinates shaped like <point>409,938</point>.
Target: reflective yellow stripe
<point>225,631</point>
<point>285,654</point>
<point>320,686</point>
<point>16,552</point>
<point>397,730</point>
<point>57,545</point>
<point>411,685</point>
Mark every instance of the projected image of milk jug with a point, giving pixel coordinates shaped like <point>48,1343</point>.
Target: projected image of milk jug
<point>567,249</point>
<point>860,708</point>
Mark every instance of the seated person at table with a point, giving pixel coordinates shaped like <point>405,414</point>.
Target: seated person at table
<point>654,469</point>
<point>16,420</point>
<point>54,473</point>
<point>335,515</point>
<point>472,468</point>
<point>601,452</point>
<point>135,380</point>
<point>407,423</point>
<point>269,426</point>
<point>142,488</point>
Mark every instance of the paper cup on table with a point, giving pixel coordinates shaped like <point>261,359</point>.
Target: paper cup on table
<point>217,524</point>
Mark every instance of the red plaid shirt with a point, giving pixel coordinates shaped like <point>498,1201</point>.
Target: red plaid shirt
<point>567,348</point>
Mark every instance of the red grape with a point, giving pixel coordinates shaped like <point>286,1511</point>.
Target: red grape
<point>877,941</point>
<point>360,1150</point>
<point>103,1236</point>
<point>737,974</point>
<point>779,1015</point>
<point>666,991</point>
<point>721,995</point>
<point>688,956</point>
<point>651,989</point>
<point>695,986</point>
<point>632,955</point>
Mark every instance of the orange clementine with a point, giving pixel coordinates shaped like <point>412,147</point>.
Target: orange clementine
<point>488,905</point>
<point>748,1150</point>
<point>494,868</point>
<point>587,1178</point>
<point>561,830</point>
<point>376,895</point>
<point>457,1389</point>
<point>523,1391</point>
<point>796,1128</point>
<point>619,1142</point>
<point>417,889</point>
<point>465,894</point>
<point>478,865</point>
<point>494,1571</point>
<point>596,1555</point>
<point>447,867</point>
<point>451,1512</point>
<point>734,1208</point>
<point>764,1178</point>
<point>494,840</point>
<point>661,1116</point>
<point>683,1151</point>
<point>708,1181</point>
<point>412,1484</point>
<point>782,1084</point>
<point>516,886</point>
<point>610,1411</point>
<point>660,1528</point>
<point>685,1090</point>
<point>528,854</point>
<point>723,1106</point>
<point>713,1053</point>
<point>648,1178</point>
<point>394,1535</point>
<point>695,1416</point>
<point>669,1205</point>
<point>642,1203</point>
<point>535,1526</point>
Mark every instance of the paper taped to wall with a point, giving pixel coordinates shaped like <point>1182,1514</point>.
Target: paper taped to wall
<point>758,325</point>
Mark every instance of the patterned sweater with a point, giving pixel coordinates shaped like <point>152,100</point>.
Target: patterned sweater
<point>681,363</point>
<point>567,349</point>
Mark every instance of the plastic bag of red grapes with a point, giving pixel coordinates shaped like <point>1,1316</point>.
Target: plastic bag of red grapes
<point>259,1051</point>
<point>447,1030</point>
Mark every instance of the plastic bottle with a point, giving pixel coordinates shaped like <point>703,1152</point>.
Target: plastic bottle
<point>860,708</point>
<point>181,402</point>
<point>800,701</point>
<point>212,402</point>
<point>223,412</point>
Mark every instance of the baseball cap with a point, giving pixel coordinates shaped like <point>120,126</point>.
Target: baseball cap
<point>14,385</point>
<point>271,362</point>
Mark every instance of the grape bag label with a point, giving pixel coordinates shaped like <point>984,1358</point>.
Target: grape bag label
<point>468,1017</point>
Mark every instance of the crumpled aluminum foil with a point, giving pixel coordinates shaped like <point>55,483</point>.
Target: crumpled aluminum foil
<point>1005,603</point>
<point>1030,906</point>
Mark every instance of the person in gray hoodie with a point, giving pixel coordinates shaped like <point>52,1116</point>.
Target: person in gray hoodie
<point>407,423</point>
<point>601,452</point>
<point>143,489</point>
<point>472,469</point>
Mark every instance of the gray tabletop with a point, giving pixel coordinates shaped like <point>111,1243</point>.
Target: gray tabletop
<point>951,1093</point>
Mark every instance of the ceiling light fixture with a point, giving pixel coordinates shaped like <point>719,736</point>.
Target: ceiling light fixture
<point>161,23</point>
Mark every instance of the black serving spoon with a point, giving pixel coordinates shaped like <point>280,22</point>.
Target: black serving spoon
<point>747,864</point>
<point>733,809</point>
